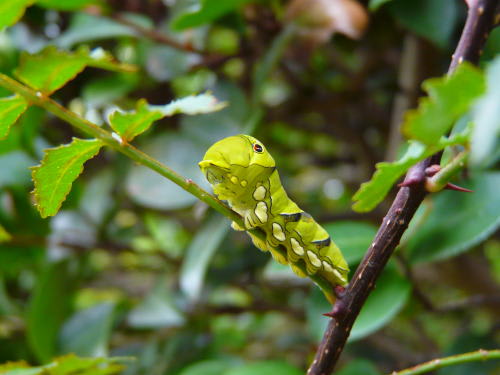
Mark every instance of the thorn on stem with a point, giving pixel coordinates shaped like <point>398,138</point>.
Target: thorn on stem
<point>450,186</point>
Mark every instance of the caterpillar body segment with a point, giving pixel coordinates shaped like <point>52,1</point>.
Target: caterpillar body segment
<point>243,173</point>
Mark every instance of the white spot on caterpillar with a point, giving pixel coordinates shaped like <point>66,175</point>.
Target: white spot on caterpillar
<point>338,275</point>
<point>261,211</point>
<point>313,258</point>
<point>278,232</point>
<point>328,268</point>
<point>297,249</point>
<point>234,180</point>
<point>243,183</point>
<point>259,193</point>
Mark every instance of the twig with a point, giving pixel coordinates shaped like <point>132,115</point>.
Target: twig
<point>348,305</point>
<point>478,355</point>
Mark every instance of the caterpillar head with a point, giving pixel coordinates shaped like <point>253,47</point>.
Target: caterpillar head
<point>229,156</point>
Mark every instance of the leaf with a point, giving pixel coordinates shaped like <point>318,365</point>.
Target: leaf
<point>87,333</point>
<point>449,98</point>
<point>386,300</point>
<point>130,124</point>
<point>458,221</point>
<point>15,169</point>
<point>199,253</point>
<point>359,367</point>
<point>191,105</point>
<point>207,367</point>
<point>48,307</point>
<point>65,4</point>
<point>352,237</point>
<point>374,191</point>
<point>375,4</point>
<point>4,235</point>
<point>51,69</point>
<point>486,117</point>
<point>265,368</point>
<point>206,12</point>
<point>57,171</point>
<point>10,110</point>
<point>12,10</point>
<point>434,20</point>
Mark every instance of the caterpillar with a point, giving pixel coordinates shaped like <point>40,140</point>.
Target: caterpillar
<point>243,173</point>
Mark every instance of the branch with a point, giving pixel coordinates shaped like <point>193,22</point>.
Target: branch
<point>478,355</point>
<point>347,307</point>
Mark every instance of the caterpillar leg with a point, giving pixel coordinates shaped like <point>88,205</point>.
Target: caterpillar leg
<point>279,255</point>
<point>260,244</point>
<point>237,227</point>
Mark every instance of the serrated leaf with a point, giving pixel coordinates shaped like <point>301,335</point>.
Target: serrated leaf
<point>207,11</point>
<point>191,105</point>
<point>130,124</point>
<point>486,117</point>
<point>51,68</point>
<point>12,10</point>
<point>458,221</point>
<point>371,193</point>
<point>449,98</point>
<point>10,110</point>
<point>57,171</point>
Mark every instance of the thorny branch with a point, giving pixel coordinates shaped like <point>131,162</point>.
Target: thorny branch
<point>480,20</point>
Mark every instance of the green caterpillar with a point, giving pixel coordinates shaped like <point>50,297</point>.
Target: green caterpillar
<point>244,174</point>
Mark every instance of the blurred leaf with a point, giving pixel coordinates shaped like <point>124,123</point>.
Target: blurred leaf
<point>51,69</point>
<point>85,27</point>
<point>352,237</point>
<point>449,98</point>
<point>130,124</point>
<point>156,310</point>
<point>359,367</point>
<point>48,307</point>
<point>434,20</point>
<point>58,170</point>
<point>12,10</point>
<point>208,367</point>
<point>105,90</point>
<point>375,4</point>
<point>199,254</point>
<point>486,131</point>
<point>97,198</point>
<point>204,12</point>
<point>385,301</point>
<point>65,4</point>
<point>87,332</point>
<point>458,221</point>
<point>4,235</point>
<point>371,193</point>
<point>10,110</point>
<point>67,365</point>
<point>264,368</point>
<point>152,190</point>
<point>191,105</point>
<point>15,169</point>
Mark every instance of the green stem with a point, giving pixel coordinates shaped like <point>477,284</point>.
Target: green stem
<point>478,355</point>
<point>440,179</point>
<point>39,99</point>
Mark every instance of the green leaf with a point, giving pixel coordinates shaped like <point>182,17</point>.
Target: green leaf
<point>486,117</point>
<point>374,191</point>
<point>12,10</point>
<point>130,124</point>
<point>375,4</point>
<point>65,4</point>
<point>359,367</point>
<point>191,105</point>
<point>48,307</point>
<point>10,110</point>
<point>386,300</point>
<point>199,253</point>
<point>208,367</point>
<point>51,69</point>
<point>205,12</point>
<point>449,98</point>
<point>4,235</point>
<point>265,368</point>
<point>458,221</point>
<point>57,171</point>
<point>434,20</point>
<point>87,333</point>
<point>352,237</point>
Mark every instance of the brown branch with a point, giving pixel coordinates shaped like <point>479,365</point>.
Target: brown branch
<point>480,19</point>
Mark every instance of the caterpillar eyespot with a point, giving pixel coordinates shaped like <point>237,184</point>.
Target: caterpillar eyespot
<point>257,148</point>
<point>263,202</point>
